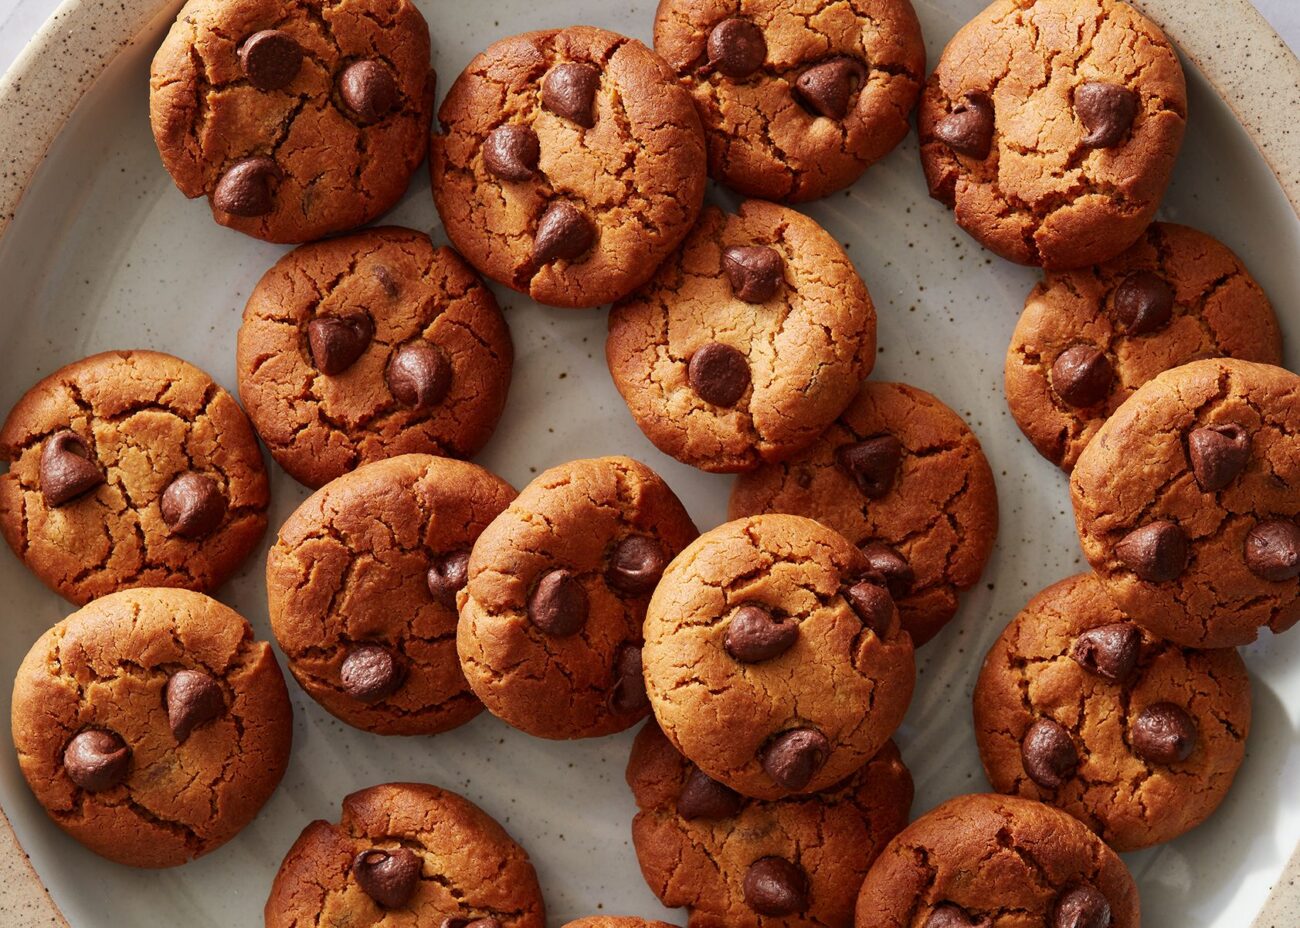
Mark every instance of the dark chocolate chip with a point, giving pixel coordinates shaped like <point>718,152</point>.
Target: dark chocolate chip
<point>558,605</point>
<point>246,188</point>
<point>886,565</point>
<point>1048,754</point>
<point>1163,733</point>
<point>718,373</point>
<point>706,798</point>
<point>512,152</point>
<point>872,463</point>
<point>569,91</point>
<point>193,506</point>
<point>1218,454</point>
<point>386,280</point>
<point>1156,552</point>
<point>635,565</point>
<point>793,757</point>
<point>419,375</point>
<point>1273,550</point>
<point>754,271</point>
<point>953,916</point>
<point>827,89</point>
<point>337,341</point>
<point>968,129</point>
<point>1144,302</point>
<point>775,886</point>
<point>270,58</point>
<point>370,673</point>
<point>629,693</point>
<point>96,760</point>
<point>1106,111</point>
<point>66,470</point>
<point>453,921</point>
<point>389,876</point>
<point>563,232</point>
<point>447,576</point>
<point>737,48</point>
<point>1081,376</point>
<point>1109,651</point>
<point>1082,906</point>
<point>193,698</point>
<point>755,635</point>
<point>368,88</point>
<point>873,604</point>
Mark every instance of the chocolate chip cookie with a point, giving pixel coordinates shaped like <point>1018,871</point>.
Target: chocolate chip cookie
<point>151,725</point>
<point>739,862</point>
<point>1089,338</point>
<point>368,346</point>
<point>1186,506</point>
<point>615,921</point>
<point>979,861</point>
<point>900,475</point>
<point>797,99</point>
<point>747,343</point>
<point>294,120</point>
<point>406,853</point>
<point>774,658</point>
<point>1051,128</point>
<point>569,164</point>
<point>130,469</point>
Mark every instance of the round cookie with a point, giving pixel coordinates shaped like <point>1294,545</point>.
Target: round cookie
<point>796,102</point>
<point>362,585</point>
<point>1089,338</point>
<point>406,853</point>
<point>369,346</point>
<point>740,862</point>
<point>550,622</point>
<point>1133,735</point>
<point>151,725</point>
<point>569,165</point>
<point>773,660</point>
<point>747,344</point>
<point>1185,503</point>
<point>900,475</point>
<point>130,469</point>
<point>294,120</point>
<point>1051,128</point>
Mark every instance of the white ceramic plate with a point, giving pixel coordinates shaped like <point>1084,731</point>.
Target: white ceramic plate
<point>105,253</point>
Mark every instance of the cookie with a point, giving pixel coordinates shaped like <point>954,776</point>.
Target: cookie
<point>900,475</point>
<point>797,99</point>
<point>151,725</point>
<point>550,621</point>
<point>773,658</point>
<point>1089,338</point>
<point>369,346</point>
<point>615,921</point>
<point>569,165</point>
<point>1051,127</point>
<point>362,586</point>
<point>747,343</point>
<point>1185,503</point>
<point>294,120</point>
<point>739,862</point>
<point>406,853</point>
<point>130,469</point>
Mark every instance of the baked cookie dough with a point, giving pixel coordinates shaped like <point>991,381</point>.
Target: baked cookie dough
<point>740,862</point>
<point>747,344</point>
<point>368,346</point>
<point>1089,338</point>
<point>774,660</point>
<point>362,585</point>
<point>981,861</point>
<point>151,725</point>
<point>900,475</point>
<point>797,99</point>
<point>1051,128</point>
<point>130,469</point>
<point>295,120</point>
<point>569,165</point>
<point>1186,506</point>
<point>615,921</point>
<point>406,853</point>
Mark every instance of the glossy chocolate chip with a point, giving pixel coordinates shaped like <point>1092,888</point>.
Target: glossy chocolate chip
<point>193,506</point>
<point>754,271</point>
<point>754,635</point>
<point>96,760</point>
<point>1048,754</point>
<point>775,886</point>
<point>635,565</point>
<point>873,604</point>
<point>193,698</point>
<point>827,89</point>
<point>337,341</point>
<point>370,673</point>
<point>1144,302</point>
<point>389,876</point>
<point>886,565</point>
<point>968,129</point>
<point>718,373</point>
<point>558,605</point>
<point>271,59</point>
<point>793,757</point>
<point>563,232</point>
<point>1109,651</point>
<point>1156,552</point>
<point>453,921</point>
<point>66,469</point>
<point>872,463</point>
<point>629,693</point>
<point>737,48</point>
<point>512,152</point>
<point>368,89</point>
<point>1273,550</point>
<point>1082,906</point>
<point>447,576</point>
<point>953,916</point>
<point>1081,376</point>
<point>1218,454</point>
<point>1106,111</point>
<point>703,797</point>
<point>1163,733</point>
<point>419,375</point>
<point>569,91</point>
<point>246,189</point>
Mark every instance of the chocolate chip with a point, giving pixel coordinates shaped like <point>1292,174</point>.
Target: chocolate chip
<point>1156,552</point>
<point>386,280</point>
<point>886,565</point>
<point>512,152</point>
<point>447,576</point>
<point>754,271</point>
<point>368,89</point>
<point>827,89</point>
<point>718,373</point>
<point>872,463</point>
<point>245,189</point>
<point>388,876</point>
<point>873,604</point>
<point>270,59</point>
<point>629,694</point>
<point>706,798</point>
<point>96,760</point>
<point>453,921</point>
<point>193,506</point>
<point>370,673</point>
<point>737,48</point>
<point>1144,302</point>
<point>1106,111</point>
<point>1109,651</point>
<point>1218,454</point>
<point>953,916</point>
<point>562,232</point>
<point>192,698</point>
<point>66,470</point>
<point>775,886</point>
<point>1083,906</point>
<point>1163,733</point>
<point>1081,376</point>
<point>558,605</point>
<point>635,565</point>
<point>1048,754</point>
<point>419,375</point>
<point>337,341</point>
<point>793,757</point>
<point>968,129</point>
<point>754,635</point>
<point>1273,550</point>
<point>569,91</point>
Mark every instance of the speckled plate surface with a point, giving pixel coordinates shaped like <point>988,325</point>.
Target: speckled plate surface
<point>103,252</point>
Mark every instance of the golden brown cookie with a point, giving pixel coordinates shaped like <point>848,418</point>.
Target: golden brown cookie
<point>615,921</point>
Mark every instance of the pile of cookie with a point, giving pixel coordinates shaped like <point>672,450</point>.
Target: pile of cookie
<point>775,652</point>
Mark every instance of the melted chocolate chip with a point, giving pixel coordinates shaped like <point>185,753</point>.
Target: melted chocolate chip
<point>66,469</point>
<point>886,565</point>
<point>1156,552</point>
<point>389,876</point>
<point>1048,754</point>
<point>1106,111</point>
<point>1218,454</point>
<point>827,89</point>
<point>1109,651</point>
<point>873,604</point>
<point>703,797</point>
<point>419,375</point>
<point>370,673</point>
<point>1163,733</point>
<point>635,565</point>
<point>775,886</point>
<point>954,916</point>
<point>337,341</point>
<point>447,576</point>
<point>1081,376</point>
<point>271,59</point>
<point>511,152</point>
<point>368,89</point>
<point>793,757</point>
<point>968,129</point>
<point>1083,906</point>
<point>563,232</point>
<point>453,921</point>
<point>558,605</point>
<point>1144,302</point>
<point>872,463</point>
<point>193,506</point>
<point>736,48</point>
<point>96,760</point>
<point>569,91</point>
<point>629,693</point>
<point>1273,550</point>
<point>719,374</point>
<point>754,635</point>
<point>246,189</point>
<point>754,271</point>
<point>193,698</point>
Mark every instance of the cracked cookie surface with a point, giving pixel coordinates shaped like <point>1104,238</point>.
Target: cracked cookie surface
<point>107,669</point>
<point>614,140</point>
<point>143,419</point>
<point>326,401</point>
<point>926,492</point>
<point>350,572</point>
<point>799,349</point>
<point>1201,581</point>
<point>1009,143</point>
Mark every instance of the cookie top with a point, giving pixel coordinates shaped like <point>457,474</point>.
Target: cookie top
<point>742,862</point>
<point>796,102</point>
<point>747,343</point>
<point>129,469</point>
<point>294,120</point>
<point>406,851</point>
<point>900,475</point>
<point>615,921</point>
<point>772,659</point>
<point>569,164</point>
<point>362,586</point>
<point>997,860</point>
<point>368,346</point>
<point>151,726</point>
<point>1185,503</point>
<point>550,622</point>
<point>1089,338</point>
<point>1051,128</point>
